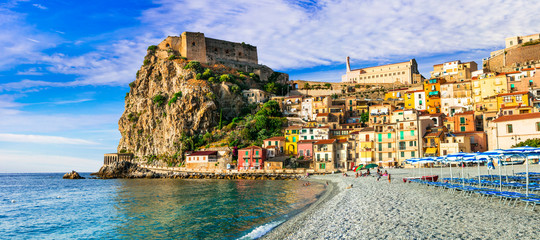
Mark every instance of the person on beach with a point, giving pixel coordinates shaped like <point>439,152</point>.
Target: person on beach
<point>326,183</point>
<point>389,178</point>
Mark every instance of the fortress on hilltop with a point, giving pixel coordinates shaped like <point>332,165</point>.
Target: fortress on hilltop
<point>195,46</point>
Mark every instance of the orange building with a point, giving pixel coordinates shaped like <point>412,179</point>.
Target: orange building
<point>461,122</point>
<point>432,88</point>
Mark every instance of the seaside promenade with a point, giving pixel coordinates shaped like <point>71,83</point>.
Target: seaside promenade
<point>374,209</point>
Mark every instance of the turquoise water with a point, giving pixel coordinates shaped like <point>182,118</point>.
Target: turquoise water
<point>44,206</point>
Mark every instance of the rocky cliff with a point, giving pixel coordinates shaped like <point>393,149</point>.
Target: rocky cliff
<point>172,97</point>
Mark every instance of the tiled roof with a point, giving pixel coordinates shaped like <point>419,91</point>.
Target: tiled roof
<point>307,141</point>
<point>368,129</point>
<point>465,113</point>
<point>342,140</point>
<point>275,139</point>
<point>507,118</point>
<point>326,141</point>
<point>322,114</point>
<point>294,127</point>
<point>203,153</point>
<point>514,93</point>
<point>252,147</point>
<point>413,91</point>
<point>433,134</point>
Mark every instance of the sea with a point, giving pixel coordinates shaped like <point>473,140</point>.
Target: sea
<point>45,206</point>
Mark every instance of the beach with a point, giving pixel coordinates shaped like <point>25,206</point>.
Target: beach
<point>374,209</point>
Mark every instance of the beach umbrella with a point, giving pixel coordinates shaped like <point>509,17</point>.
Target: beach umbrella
<point>524,151</point>
<point>358,167</point>
<point>489,155</point>
<point>371,165</point>
<point>453,157</point>
<point>440,160</point>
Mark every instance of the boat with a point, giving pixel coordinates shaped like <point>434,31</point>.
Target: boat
<point>431,178</point>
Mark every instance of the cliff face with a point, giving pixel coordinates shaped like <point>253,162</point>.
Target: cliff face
<point>166,100</point>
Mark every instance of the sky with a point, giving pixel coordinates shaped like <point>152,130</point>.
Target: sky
<point>65,65</point>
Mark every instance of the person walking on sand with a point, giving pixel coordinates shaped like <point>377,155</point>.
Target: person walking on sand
<point>389,178</point>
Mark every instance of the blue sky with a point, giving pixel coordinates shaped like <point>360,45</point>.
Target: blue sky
<point>65,65</point>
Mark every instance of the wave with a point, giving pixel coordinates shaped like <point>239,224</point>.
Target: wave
<point>261,230</point>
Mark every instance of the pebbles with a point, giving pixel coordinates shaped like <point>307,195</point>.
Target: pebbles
<point>380,210</point>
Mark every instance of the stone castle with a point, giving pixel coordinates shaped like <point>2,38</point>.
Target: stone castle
<point>195,46</point>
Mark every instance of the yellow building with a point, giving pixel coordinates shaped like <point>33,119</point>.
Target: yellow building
<point>514,101</point>
<point>395,94</point>
<point>365,145</point>
<point>454,71</point>
<point>485,89</point>
<point>432,88</point>
<point>291,139</point>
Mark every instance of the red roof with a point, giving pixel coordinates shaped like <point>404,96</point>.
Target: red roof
<point>527,69</point>
<point>465,113</point>
<point>342,140</point>
<point>516,117</point>
<point>508,73</point>
<point>252,147</point>
<point>203,153</point>
<point>413,91</point>
<point>322,114</point>
<point>275,139</point>
<point>326,141</point>
<point>474,78</point>
<point>514,93</point>
<point>307,141</point>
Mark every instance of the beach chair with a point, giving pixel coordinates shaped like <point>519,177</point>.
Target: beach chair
<point>531,200</point>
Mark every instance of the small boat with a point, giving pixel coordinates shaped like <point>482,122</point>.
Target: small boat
<point>432,178</point>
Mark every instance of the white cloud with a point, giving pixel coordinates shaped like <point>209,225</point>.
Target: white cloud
<point>292,36</point>
<point>18,161</point>
<point>42,139</point>
<point>39,6</point>
<point>31,71</point>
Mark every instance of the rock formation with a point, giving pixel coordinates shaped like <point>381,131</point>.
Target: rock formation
<point>123,169</point>
<point>169,99</point>
<point>72,175</point>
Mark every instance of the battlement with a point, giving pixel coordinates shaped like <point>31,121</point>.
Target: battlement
<point>195,46</point>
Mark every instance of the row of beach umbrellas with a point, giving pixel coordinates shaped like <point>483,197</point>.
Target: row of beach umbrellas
<point>483,157</point>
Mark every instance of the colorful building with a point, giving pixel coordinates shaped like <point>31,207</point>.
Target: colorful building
<point>202,160</point>
<point>415,99</point>
<point>278,142</point>
<point>508,130</point>
<point>432,89</point>
<point>365,144</point>
<point>292,136</point>
<point>251,158</point>
<point>461,122</point>
<point>515,100</point>
<point>485,89</point>
<point>324,153</point>
<point>454,71</point>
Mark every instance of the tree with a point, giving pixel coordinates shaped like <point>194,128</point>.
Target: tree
<point>364,117</point>
<point>328,85</point>
<point>307,87</point>
<point>207,137</point>
<point>533,142</point>
<point>270,109</point>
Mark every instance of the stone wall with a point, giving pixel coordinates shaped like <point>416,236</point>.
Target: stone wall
<point>221,51</point>
<point>513,58</point>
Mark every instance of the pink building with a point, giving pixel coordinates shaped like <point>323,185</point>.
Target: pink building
<point>251,158</point>
<point>305,149</point>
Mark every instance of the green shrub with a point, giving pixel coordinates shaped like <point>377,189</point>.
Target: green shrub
<point>152,48</point>
<point>254,77</point>
<point>235,88</point>
<point>140,131</point>
<point>137,75</point>
<point>175,97</point>
<point>159,100</point>
<point>146,62</point>
<point>132,84</point>
<point>207,74</point>
<point>133,117</point>
<point>211,96</point>
<point>195,66</point>
<point>123,150</point>
<point>172,57</point>
<point>212,79</point>
<point>198,76</point>
<point>226,78</point>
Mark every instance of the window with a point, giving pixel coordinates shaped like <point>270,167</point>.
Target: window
<point>402,145</point>
<point>462,120</point>
<point>247,153</point>
<point>410,143</point>
<point>412,154</point>
<point>509,128</point>
<point>389,135</point>
<point>276,143</point>
<point>301,153</point>
<point>380,156</point>
<point>412,133</point>
<point>307,153</point>
<point>538,126</point>
<point>380,146</point>
<point>401,135</point>
<point>518,98</point>
<point>389,145</point>
<point>402,154</point>
<point>256,153</point>
<point>462,128</point>
<point>390,155</point>
<point>380,137</point>
<point>326,157</point>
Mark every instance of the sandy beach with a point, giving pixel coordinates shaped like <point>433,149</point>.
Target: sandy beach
<point>374,209</point>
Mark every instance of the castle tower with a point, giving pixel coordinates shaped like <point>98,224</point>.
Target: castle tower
<point>348,64</point>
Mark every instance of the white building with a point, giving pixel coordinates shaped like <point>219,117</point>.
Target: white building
<point>314,133</point>
<point>508,130</point>
<point>306,111</point>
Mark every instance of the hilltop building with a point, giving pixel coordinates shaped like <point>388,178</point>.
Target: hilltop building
<point>454,71</point>
<point>403,72</point>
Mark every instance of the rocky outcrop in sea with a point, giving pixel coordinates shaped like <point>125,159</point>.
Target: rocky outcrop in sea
<point>72,175</point>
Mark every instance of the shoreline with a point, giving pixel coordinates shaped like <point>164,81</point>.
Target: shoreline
<point>374,209</point>
<point>286,228</point>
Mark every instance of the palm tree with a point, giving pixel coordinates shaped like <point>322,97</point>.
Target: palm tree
<point>307,87</point>
<point>328,85</point>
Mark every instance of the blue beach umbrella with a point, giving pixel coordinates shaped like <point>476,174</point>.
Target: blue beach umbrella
<point>524,151</point>
<point>488,157</point>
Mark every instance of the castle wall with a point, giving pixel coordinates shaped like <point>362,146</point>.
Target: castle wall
<point>194,46</point>
<point>218,51</point>
<point>514,57</point>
